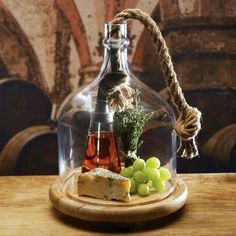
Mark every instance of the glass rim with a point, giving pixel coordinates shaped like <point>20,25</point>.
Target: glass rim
<point>110,23</point>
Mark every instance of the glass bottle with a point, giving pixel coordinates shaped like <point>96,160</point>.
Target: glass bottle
<point>101,150</point>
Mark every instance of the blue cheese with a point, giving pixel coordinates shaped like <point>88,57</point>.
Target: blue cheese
<point>104,184</point>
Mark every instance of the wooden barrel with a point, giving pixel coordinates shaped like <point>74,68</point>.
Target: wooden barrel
<point>33,151</point>
<point>220,149</point>
<point>218,108</point>
<point>22,104</point>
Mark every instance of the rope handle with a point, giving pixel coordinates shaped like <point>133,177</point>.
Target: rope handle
<point>188,124</point>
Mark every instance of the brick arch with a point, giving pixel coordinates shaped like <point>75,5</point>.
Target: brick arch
<point>71,13</point>
<point>10,27</point>
<point>142,41</point>
<point>113,7</point>
<point>145,62</point>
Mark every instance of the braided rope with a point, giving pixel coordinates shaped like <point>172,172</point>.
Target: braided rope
<point>188,124</point>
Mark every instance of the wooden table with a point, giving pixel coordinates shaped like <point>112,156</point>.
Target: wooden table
<point>211,210</point>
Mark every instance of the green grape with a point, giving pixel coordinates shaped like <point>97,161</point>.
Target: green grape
<point>138,164</point>
<point>131,169</point>
<point>127,172</point>
<point>143,190</point>
<point>146,170</point>
<point>164,174</point>
<point>154,174</point>
<point>159,185</point>
<point>140,177</point>
<point>133,187</point>
<point>149,183</point>
<point>153,162</point>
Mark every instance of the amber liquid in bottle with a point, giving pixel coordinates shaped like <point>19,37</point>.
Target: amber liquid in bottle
<point>101,152</point>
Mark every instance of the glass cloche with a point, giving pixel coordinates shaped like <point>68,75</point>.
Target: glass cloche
<point>97,131</point>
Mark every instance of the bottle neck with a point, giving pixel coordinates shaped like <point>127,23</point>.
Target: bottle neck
<point>115,59</point>
<point>115,43</point>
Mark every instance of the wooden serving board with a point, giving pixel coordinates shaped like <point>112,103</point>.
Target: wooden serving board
<point>154,206</point>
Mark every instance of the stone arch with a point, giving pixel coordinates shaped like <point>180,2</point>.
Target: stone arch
<point>71,15</point>
<point>23,62</point>
<point>145,62</point>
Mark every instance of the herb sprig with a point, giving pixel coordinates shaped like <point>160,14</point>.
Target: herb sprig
<point>129,126</point>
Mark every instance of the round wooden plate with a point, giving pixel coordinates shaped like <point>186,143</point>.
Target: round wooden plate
<point>139,209</point>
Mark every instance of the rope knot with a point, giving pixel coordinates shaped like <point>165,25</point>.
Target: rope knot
<point>118,93</point>
<point>187,127</point>
<point>121,97</point>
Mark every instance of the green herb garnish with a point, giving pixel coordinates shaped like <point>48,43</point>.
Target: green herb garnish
<point>129,126</point>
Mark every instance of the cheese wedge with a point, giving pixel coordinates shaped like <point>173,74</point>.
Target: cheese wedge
<point>104,184</point>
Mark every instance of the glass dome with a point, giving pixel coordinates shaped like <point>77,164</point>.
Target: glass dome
<point>87,128</point>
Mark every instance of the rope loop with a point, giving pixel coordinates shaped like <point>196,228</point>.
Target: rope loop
<point>188,124</point>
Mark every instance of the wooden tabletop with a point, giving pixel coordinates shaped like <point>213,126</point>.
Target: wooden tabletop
<point>211,210</point>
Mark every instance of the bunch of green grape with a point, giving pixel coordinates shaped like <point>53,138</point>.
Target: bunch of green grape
<point>146,177</point>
